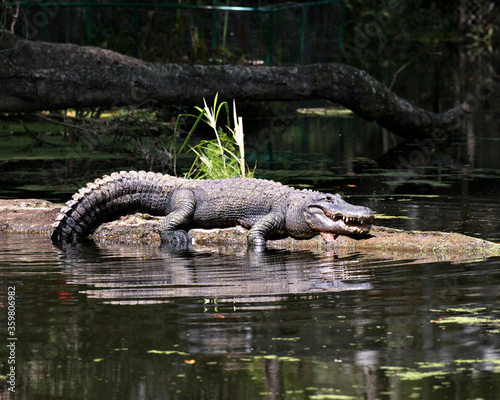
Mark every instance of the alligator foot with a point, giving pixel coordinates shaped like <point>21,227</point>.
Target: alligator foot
<point>176,238</point>
<point>256,245</point>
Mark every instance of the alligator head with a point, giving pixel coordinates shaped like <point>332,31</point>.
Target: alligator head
<point>329,214</point>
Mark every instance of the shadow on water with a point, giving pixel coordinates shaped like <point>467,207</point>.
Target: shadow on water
<point>140,322</point>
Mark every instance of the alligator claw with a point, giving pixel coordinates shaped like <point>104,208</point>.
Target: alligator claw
<point>176,238</point>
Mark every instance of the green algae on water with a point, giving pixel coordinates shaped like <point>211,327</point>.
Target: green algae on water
<point>474,317</point>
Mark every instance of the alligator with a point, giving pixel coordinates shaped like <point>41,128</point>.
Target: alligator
<point>265,207</point>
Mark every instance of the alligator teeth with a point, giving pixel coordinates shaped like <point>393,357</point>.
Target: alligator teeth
<point>350,220</point>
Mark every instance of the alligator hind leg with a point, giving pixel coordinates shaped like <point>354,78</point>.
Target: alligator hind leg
<point>183,204</point>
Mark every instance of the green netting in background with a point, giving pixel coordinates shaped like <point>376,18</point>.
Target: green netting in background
<point>284,33</point>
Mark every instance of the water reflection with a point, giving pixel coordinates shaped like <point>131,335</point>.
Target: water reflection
<point>147,274</point>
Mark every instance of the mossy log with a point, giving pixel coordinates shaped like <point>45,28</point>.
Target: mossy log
<point>36,217</point>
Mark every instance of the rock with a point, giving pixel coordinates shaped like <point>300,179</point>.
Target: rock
<point>29,216</point>
<point>34,216</point>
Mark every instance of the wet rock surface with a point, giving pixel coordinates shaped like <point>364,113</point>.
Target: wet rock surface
<point>33,216</point>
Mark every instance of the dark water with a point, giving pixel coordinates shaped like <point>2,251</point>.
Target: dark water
<point>140,322</point>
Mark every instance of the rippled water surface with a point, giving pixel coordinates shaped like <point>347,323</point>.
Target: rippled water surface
<point>142,322</point>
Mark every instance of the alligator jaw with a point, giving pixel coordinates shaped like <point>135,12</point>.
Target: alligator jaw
<point>330,214</point>
<point>350,224</point>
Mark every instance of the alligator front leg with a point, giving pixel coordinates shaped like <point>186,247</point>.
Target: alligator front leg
<point>182,204</point>
<point>271,223</point>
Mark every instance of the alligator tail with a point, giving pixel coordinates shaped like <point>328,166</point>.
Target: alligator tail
<point>108,197</point>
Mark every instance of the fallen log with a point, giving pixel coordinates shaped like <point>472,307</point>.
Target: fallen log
<point>36,76</point>
<point>34,216</point>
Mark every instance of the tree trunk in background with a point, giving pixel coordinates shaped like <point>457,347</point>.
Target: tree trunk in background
<point>38,76</point>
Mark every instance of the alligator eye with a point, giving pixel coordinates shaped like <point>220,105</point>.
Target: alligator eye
<point>329,198</point>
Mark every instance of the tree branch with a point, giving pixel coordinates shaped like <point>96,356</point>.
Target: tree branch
<point>47,76</point>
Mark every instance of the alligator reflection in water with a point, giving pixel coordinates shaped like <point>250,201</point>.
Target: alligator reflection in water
<point>207,273</point>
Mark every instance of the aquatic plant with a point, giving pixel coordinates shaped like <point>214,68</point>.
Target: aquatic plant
<point>224,156</point>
